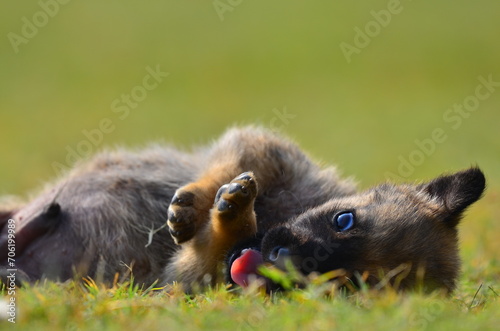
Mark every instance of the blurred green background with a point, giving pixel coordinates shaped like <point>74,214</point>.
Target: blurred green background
<point>65,67</point>
<point>240,62</point>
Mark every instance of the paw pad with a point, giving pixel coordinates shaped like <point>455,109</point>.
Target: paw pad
<point>236,196</point>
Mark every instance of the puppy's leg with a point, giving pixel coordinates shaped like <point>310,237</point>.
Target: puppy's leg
<point>232,219</point>
<point>257,150</point>
<point>278,164</point>
<point>190,206</point>
<point>233,216</point>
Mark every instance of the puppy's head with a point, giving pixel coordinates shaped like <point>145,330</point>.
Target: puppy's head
<point>405,234</point>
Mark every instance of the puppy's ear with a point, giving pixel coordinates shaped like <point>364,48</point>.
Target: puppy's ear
<point>456,192</point>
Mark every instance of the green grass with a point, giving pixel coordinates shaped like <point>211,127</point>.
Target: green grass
<point>85,305</point>
<point>82,306</point>
<point>263,57</point>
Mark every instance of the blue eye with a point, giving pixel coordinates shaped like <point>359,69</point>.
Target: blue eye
<point>344,221</point>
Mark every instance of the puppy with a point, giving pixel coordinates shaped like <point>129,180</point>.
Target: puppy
<point>250,198</point>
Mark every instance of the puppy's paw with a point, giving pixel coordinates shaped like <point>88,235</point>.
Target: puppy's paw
<point>233,206</point>
<point>188,209</point>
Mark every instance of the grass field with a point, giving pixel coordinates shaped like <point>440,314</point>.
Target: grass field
<point>385,90</point>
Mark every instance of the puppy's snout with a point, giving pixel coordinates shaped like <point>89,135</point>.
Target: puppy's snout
<point>279,256</point>
<point>278,253</point>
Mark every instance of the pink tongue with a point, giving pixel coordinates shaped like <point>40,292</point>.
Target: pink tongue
<point>244,268</point>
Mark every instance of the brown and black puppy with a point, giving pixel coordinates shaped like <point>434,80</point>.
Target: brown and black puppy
<point>250,189</point>
<point>310,217</point>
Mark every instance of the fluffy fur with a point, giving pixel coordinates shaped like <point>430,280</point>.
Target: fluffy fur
<point>96,221</point>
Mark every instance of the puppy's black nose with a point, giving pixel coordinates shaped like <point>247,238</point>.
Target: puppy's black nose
<point>278,254</point>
